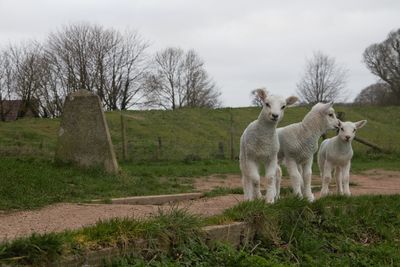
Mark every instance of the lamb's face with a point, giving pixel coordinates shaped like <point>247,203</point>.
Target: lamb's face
<point>327,114</point>
<point>332,121</point>
<point>274,106</point>
<point>347,130</point>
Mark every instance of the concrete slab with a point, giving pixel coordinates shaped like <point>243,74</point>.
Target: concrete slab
<point>153,200</point>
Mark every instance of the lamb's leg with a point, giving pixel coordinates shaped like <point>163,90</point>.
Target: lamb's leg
<point>245,179</point>
<point>339,180</point>
<point>307,174</point>
<point>321,162</point>
<point>251,180</point>
<point>300,168</point>
<point>278,182</point>
<point>246,187</point>
<point>270,173</point>
<point>295,176</point>
<point>326,178</point>
<point>346,179</point>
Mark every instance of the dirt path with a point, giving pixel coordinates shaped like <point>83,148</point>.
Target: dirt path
<point>59,217</point>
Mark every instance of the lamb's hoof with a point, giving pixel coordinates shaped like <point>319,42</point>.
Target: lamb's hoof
<point>270,200</point>
<point>323,195</point>
<point>347,194</point>
<point>310,197</point>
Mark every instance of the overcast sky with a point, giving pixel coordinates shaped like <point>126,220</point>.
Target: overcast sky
<point>245,44</point>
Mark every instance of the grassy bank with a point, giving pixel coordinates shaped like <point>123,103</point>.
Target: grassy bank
<point>166,149</point>
<point>28,183</point>
<point>336,231</point>
<point>31,183</point>
<point>190,133</point>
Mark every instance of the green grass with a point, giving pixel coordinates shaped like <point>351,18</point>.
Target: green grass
<point>189,148</point>
<point>31,183</point>
<point>190,133</point>
<point>221,191</point>
<point>334,231</point>
<point>174,227</point>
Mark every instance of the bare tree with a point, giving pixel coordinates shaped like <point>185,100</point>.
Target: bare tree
<point>199,89</point>
<point>26,67</point>
<point>179,80</point>
<point>375,94</point>
<point>5,84</point>
<point>79,56</point>
<point>126,64</point>
<point>323,80</point>
<point>383,60</point>
<point>101,60</point>
<point>71,49</point>
<point>255,99</point>
<point>49,95</point>
<point>164,82</point>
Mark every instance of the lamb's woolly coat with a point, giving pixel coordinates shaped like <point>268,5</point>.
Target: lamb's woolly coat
<point>336,151</point>
<point>335,154</point>
<point>259,141</point>
<point>259,146</point>
<point>298,144</point>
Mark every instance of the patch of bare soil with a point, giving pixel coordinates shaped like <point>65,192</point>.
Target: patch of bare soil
<point>207,183</point>
<point>66,216</point>
<point>369,182</point>
<point>59,217</point>
<point>377,182</point>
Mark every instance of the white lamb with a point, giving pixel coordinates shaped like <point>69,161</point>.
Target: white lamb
<point>335,154</point>
<point>259,146</point>
<point>298,144</point>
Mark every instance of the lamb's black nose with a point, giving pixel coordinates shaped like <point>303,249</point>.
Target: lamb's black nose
<point>347,137</point>
<point>274,116</point>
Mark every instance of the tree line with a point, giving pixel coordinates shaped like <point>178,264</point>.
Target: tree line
<point>116,66</point>
<point>324,79</point>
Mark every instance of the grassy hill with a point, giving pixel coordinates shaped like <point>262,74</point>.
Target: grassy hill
<point>189,148</point>
<point>189,133</point>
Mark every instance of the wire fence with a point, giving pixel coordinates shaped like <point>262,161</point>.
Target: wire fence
<point>161,148</point>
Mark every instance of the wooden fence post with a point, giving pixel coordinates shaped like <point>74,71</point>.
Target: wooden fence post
<point>231,130</point>
<point>124,141</point>
<point>159,147</point>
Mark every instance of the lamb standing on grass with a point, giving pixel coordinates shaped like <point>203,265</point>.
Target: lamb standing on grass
<point>335,154</point>
<point>259,146</point>
<point>299,142</point>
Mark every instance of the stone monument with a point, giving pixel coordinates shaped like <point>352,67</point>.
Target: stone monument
<point>83,137</point>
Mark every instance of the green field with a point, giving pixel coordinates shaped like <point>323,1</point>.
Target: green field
<point>190,133</point>
<point>337,231</point>
<point>189,148</point>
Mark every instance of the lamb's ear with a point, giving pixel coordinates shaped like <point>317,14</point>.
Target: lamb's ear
<point>261,94</point>
<point>325,107</point>
<point>328,105</point>
<point>291,100</point>
<point>360,124</point>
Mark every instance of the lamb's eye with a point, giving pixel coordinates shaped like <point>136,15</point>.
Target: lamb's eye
<point>267,104</point>
<point>331,115</point>
<point>342,129</point>
<point>283,107</point>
